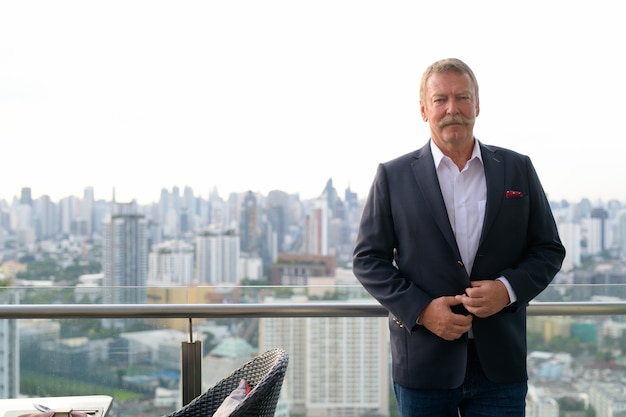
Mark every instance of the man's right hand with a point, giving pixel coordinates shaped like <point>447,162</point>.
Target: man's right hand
<point>439,318</point>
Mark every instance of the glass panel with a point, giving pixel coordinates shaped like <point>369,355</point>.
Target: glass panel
<point>338,365</point>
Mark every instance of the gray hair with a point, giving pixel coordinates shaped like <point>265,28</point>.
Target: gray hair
<point>447,65</point>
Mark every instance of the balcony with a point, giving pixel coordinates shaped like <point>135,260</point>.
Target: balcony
<point>66,343</point>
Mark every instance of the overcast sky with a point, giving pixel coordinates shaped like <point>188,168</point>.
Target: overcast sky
<point>261,95</point>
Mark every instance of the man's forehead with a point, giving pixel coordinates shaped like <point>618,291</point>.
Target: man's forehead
<point>449,81</point>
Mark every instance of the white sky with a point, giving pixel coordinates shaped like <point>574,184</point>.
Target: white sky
<point>261,95</point>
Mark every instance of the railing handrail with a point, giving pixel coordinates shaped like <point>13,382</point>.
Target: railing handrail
<point>309,309</point>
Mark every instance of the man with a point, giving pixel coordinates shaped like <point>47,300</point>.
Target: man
<point>455,239</point>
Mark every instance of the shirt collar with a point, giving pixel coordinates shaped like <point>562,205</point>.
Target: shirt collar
<point>438,155</point>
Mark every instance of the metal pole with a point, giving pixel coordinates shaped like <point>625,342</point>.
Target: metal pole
<point>191,364</point>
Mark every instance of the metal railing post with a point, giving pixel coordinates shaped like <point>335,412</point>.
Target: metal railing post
<point>191,364</point>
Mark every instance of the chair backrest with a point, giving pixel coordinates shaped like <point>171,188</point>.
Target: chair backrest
<point>265,374</point>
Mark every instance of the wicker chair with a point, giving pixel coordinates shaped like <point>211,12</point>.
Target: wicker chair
<point>264,373</point>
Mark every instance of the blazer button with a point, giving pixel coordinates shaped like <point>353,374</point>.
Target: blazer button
<point>460,263</point>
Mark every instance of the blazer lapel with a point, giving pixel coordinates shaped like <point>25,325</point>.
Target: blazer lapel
<point>494,176</point>
<point>426,177</point>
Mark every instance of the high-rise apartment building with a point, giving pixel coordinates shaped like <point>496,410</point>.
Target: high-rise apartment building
<point>125,255</point>
<point>570,236</point>
<point>278,212</point>
<point>23,224</point>
<point>316,229</point>
<point>338,366</point>
<point>217,257</point>
<point>596,232</point>
<point>68,212</point>
<point>86,218</point>
<point>171,263</point>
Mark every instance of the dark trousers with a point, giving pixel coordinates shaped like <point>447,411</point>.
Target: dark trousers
<point>476,397</point>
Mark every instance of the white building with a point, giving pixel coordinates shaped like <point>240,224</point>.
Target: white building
<point>338,366</point>
<point>250,267</point>
<point>607,398</point>
<point>570,237</point>
<point>316,229</point>
<point>217,258</point>
<point>171,263</point>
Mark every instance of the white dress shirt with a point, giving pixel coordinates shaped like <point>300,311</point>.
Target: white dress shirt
<point>465,195</point>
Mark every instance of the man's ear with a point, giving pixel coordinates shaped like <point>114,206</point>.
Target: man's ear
<point>423,112</point>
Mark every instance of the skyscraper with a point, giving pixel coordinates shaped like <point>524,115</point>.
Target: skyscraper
<point>47,217</point>
<point>249,227</point>
<point>26,197</point>
<point>125,255</point>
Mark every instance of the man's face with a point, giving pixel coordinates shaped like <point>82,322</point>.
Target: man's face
<point>450,107</point>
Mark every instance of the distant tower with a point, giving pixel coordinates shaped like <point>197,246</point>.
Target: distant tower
<point>86,210</point>
<point>249,229</point>
<point>352,198</point>
<point>125,255</point>
<point>48,223</point>
<point>316,229</point>
<point>601,216</point>
<point>597,234</point>
<point>26,197</point>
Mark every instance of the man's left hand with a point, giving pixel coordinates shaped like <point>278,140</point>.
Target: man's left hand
<point>485,298</point>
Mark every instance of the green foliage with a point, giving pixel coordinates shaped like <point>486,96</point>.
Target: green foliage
<point>91,328</point>
<point>43,385</point>
<point>569,345</point>
<point>393,405</point>
<point>39,270</point>
<point>285,292</point>
<point>48,268</point>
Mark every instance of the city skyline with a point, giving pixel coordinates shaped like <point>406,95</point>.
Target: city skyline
<point>241,96</point>
<point>100,196</point>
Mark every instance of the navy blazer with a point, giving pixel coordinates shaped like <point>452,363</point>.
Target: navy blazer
<point>406,255</point>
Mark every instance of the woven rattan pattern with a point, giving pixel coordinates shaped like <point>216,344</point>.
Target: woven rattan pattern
<point>264,373</point>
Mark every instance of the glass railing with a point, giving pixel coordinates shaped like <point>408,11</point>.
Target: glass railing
<point>66,341</point>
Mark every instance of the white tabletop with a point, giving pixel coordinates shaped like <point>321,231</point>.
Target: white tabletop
<point>99,404</point>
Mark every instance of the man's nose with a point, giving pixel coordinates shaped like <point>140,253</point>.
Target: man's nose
<point>452,107</point>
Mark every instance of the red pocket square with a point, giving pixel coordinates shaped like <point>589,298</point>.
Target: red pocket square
<point>513,194</point>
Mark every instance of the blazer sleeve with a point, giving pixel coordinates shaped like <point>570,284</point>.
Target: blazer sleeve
<point>373,258</point>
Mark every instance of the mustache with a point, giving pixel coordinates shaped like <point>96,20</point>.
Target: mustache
<point>454,120</point>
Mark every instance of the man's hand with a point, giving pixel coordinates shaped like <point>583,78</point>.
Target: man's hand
<point>439,318</point>
<point>485,298</point>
